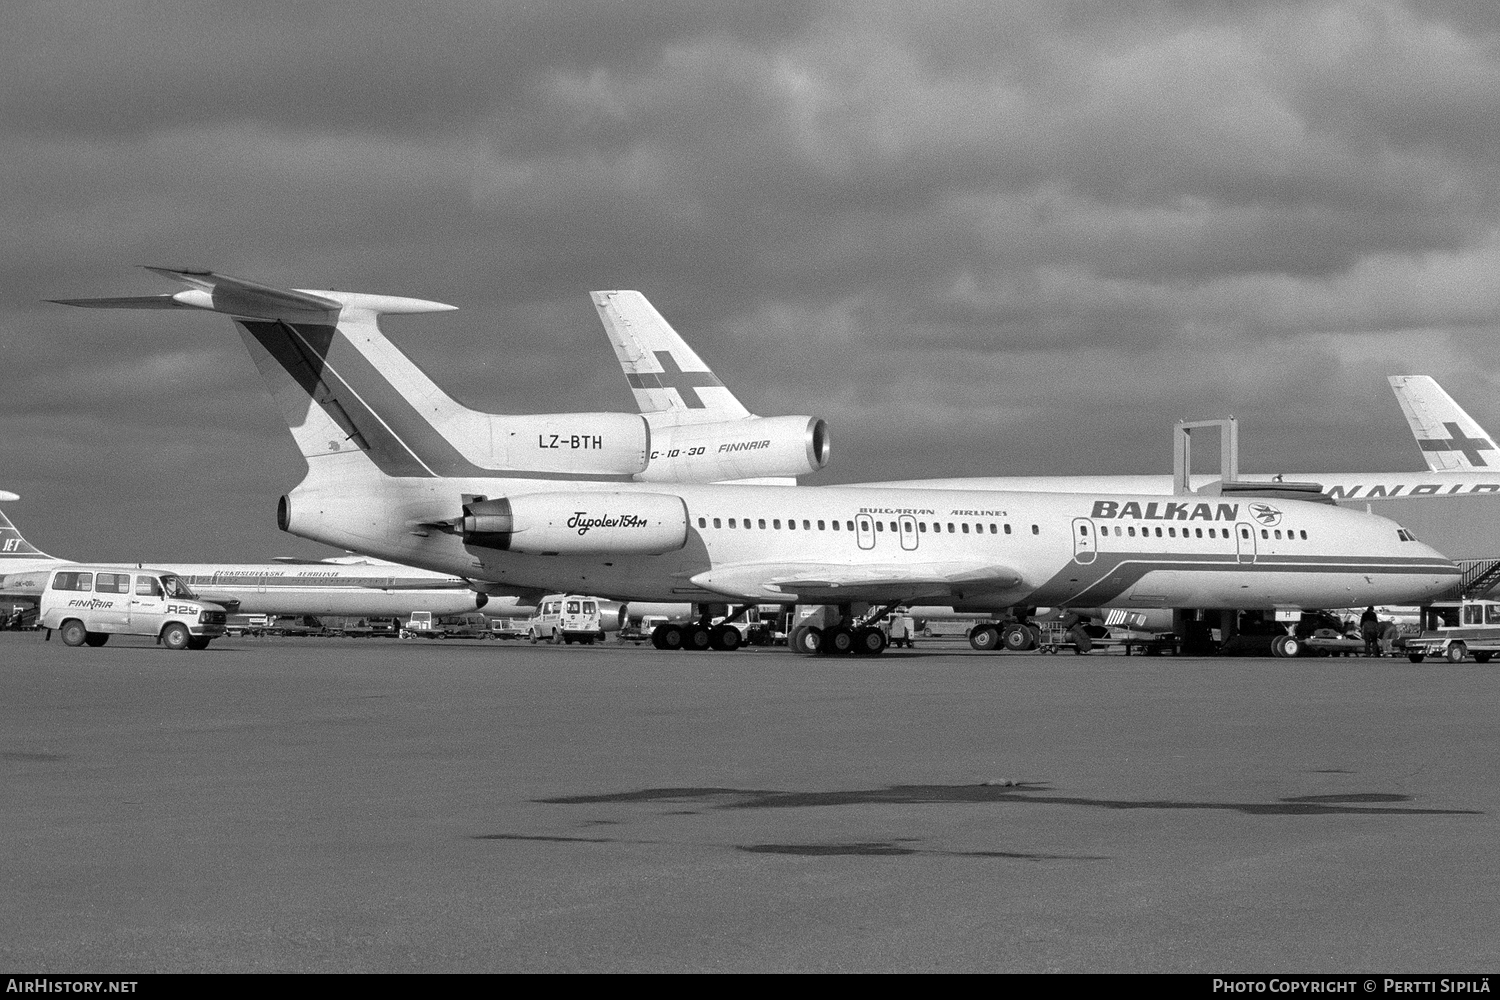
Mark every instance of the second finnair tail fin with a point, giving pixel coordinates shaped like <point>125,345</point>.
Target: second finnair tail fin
<point>672,385</point>
<point>1450,439</point>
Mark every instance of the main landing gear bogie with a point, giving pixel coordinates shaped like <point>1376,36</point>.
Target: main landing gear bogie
<point>723,637</point>
<point>837,640</point>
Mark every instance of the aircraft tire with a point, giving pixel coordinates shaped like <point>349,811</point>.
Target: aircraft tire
<point>1292,647</point>
<point>1278,646</point>
<point>870,641</point>
<point>668,637</point>
<point>697,637</point>
<point>175,636</point>
<point>838,640</point>
<point>96,639</point>
<point>1016,638</point>
<point>985,638</point>
<point>1457,653</point>
<point>726,638</point>
<point>806,640</point>
<point>73,633</point>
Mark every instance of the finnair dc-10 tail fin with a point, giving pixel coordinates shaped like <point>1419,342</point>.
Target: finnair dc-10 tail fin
<point>700,431</point>
<point>1450,439</point>
<point>671,383</point>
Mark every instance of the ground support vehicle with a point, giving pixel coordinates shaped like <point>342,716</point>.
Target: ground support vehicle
<point>1322,642</point>
<point>1473,632</point>
<point>1080,638</point>
<point>88,604</point>
<point>566,618</point>
<point>507,628</point>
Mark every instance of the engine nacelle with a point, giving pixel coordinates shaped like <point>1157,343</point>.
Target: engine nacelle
<point>593,443</point>
<point>752,448</point>
<point>570,524</point>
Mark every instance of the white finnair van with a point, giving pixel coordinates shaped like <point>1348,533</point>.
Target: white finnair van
<point>88,604</point>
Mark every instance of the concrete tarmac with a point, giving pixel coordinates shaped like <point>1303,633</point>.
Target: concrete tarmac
<point>342,805</point>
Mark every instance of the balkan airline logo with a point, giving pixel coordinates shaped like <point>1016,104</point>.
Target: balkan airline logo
<point>1166,511</point>
<point>583,522</point>
<point>1265,514</point>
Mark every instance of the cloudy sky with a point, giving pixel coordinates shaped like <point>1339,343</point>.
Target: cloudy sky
<point>976,237</point>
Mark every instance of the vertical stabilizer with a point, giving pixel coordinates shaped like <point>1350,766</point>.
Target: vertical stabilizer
<point>672,385</point>
<point>355,403</point>
<point>1450,439</point>
<point>16,553</point>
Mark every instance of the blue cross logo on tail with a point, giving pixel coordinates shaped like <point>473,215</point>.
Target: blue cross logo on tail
<point>673,377</point>
<point>1471,447</point>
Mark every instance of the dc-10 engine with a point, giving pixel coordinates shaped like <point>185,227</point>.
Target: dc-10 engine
<point>572,524</point>
<point>749,448</point>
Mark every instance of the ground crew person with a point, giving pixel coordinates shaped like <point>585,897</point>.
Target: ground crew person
<point>1369,630</point>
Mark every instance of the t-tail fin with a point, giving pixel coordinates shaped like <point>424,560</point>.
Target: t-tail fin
<point>1450,439</point>
<point>14,548</point>
<point>350,395</point>
<point>672,385</point>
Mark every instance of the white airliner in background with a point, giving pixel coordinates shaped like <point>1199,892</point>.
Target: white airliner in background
<point>399,470</point>
<point>352,586</point>
<point>1450,439</point>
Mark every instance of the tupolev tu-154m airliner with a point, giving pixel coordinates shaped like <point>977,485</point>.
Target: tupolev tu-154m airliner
<point>399,470</point>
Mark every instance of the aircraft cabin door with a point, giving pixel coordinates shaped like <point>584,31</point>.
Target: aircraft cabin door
<point>908,527</point>
<point>1244,542</point>
<point>865,531</point>
<point>1085,547</point>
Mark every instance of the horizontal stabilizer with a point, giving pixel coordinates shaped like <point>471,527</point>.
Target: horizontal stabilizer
<point>237,297</point>
<point>1308,492</point>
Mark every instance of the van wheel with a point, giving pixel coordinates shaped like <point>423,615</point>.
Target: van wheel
<point>176,636</point>
<point>1457,652</point>
<point>97,639</point>
<point>73,633</point>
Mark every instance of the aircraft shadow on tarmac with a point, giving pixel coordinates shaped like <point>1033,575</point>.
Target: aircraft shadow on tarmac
<point>1351,803</point>
<point>1355,803</point>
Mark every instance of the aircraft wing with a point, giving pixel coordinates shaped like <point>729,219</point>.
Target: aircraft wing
<point>882,581</point>
<point>1450,439</point>
<point>665,374</point>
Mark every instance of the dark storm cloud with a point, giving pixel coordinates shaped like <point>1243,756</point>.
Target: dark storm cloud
<point>975,236</point>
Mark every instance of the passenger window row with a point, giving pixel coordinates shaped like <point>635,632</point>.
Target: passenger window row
<point>807,525</point>
<point>1130,532</point>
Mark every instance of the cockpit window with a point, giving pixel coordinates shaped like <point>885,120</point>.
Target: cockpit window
<point>1405,536</point>
<point>175,588</point>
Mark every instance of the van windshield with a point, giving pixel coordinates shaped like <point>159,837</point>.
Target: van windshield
<point>176,588</point>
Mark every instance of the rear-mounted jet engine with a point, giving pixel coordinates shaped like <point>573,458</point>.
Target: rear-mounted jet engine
<point>577,523</point>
